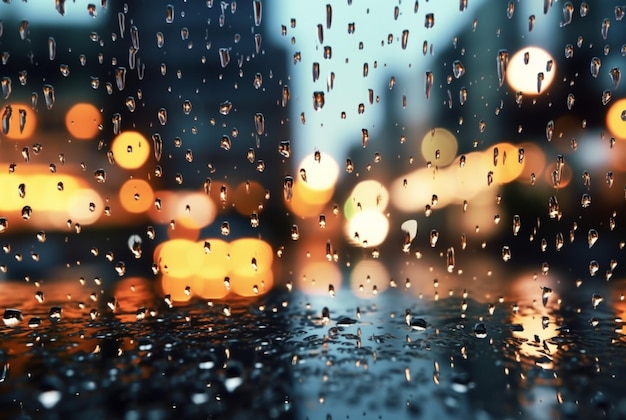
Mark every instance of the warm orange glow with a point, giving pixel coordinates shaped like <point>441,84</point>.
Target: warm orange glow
<point>248,197</point>
<point>523,77</point>
<point>439,146</point>
<point>80,204</point>
<point>130,150</point>
<point>175,287</point>
<point>368,278</point>
<point>214,260</point>
<point>257,284</point>
<point>507,168</point>
<point>306,202</point>
<point>179,258</point>
<point>54,198</point>
<point>83,121</point>
<point>182,229</point>
<point>616,119</point>
<point>535,162</point>
<point>194,210</point>
<point>131,294</point>
<point>209,282</point>
<point>413,191</point>
<point>566,176</point>
<point>315,277</point>
<point>28,118</point>
<point>204,265</point>
<point>136,196</point>
<point>242,251</point>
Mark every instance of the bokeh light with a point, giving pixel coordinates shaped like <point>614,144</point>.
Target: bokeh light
<point>368,194</point>
<point>523,77</point>
<point>83,121</point>
<point>130,150</point>
<point>616,119</point>
<point>439,146</point>
<point>212,268</point>
<point>85,206</point>
<point>23,121</point>
<point>136,195</point>
<point>194,210</point>
<point>367,228</point>
<point>368,278</point>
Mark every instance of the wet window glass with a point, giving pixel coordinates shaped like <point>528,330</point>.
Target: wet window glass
<point>228,209</point>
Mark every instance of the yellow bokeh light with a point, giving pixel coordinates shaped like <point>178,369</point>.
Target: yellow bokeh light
<point>214,260</point>
<point>205,265</point>
<point>414,191</point>
<point>367,228</point>
<point>83,121</point>
<point>130,150</point>
<point>243,251</point>
<point>179,258</point>
<point>21,115</point>
<point>175,287</point>
<point>368,194</point>
<point>507,167</point>
<point>523,77</point>
<point>257,284</point>
<point>320,173</point>
<point>616,119</point>
<point>439,146</point>
<point>136,195</point>
<point>306,202</point>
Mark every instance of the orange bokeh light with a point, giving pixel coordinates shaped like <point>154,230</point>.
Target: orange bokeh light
<point>248,197</point>
<point>306,202</point>
<point>205,264</point>
<point>29,117</point>
<point>136,196</point>
<point>130,150</point>
<point>83,121</point>
<point>179,258</point>
<point>614,120</point>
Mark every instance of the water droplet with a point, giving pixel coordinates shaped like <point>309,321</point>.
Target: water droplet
<point>595,66</point>
<point>120,78</point>
<point>606,23</point>
<point>553,207</point>
<point>100,176</point>
<point>434,237</point>
<point>429,20</point>
<point>169,14</point>
<point>458,69</point>
<point>531,23</point>
<point>502,62</point>
<point>257,8</point>
<point>480,331</point>
<point>224,55</point>
<point>428,85</point>
<point>450,259</point>
<point>12,317</point>
<point>48,94</point>
<point>295,232</point>
<point>318,100</point>
<point>606,96</point>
